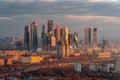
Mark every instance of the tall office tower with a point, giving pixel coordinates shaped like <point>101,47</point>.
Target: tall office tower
<point>61,33</point>
<point>44,41</point>
<point>57,33</point>
<point>65,38</point>
<point>27,38</point>
<point>65,34</point>
<point>95,38</point>
<point>34,38</point>
<point>43,31</point>
<point>43,36</point>
<point>105,45</point>
<point>76,39</point>
<point>61,49</point>
<point>50,33</point>
<point>48,42</point>
<point>88,37</point>
<point>67,50</point>
<point>50,26</point>
<point>53,41</point>
<point>70,39</point>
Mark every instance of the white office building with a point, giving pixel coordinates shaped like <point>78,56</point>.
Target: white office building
<point>77,67</point>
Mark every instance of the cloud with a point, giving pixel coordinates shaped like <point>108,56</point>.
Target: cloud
<point>49,0</point>
<point>102,0</point>
<point>6,19</point>
<point>60,0</point>
<point>99,0</point>
<point>94,19</point>
<point>25,1</point>
<point>16,0</point>
<point>110,19</point>
<point>84,18</point>
<point>76,14</point>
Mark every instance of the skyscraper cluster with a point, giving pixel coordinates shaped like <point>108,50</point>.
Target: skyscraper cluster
<point>57,38</point>
<point>60,39</point>
<point>88,37</point>
<point>30,36</point>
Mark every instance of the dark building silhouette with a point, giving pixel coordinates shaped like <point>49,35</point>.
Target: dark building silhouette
<point>19,44</point>
<point>43,31</point>
<point>43,34</point>
<point>27,38</point>
<point>50,33</point>
<point>76,39</point>
<point>57,33</point>
<point>95,38</point>
<point>34,37</point>
<point>70,39</point>
<point>88,37</point>
<point>61,33</point>
<point>105,45</point>
<point>50,26</point>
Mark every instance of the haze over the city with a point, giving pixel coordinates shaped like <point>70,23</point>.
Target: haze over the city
<point>76,14</point>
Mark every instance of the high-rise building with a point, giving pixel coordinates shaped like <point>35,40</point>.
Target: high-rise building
<point>57,33</point>
<point>65,34</point>
<point>34,37</point>
<point>70,39</point>
<point>43,36</point>
<point>50,26</point>
<point>61,49</point>
<point>53,41</point>
<point>27,37</point>
<point>67,53</point>
<point>49,40</point>
<point>65,38</point>
<point>43,31</point>
<point>95,38</point>
<point>76,39</point>
<point>44,41</point>
<point>61,33</point>
<point>105,45</point>
<point>88,37</point>
<point>50,33</point>
<point>63,45</point>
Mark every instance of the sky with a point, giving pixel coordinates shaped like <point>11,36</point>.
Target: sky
<point>76,14</point>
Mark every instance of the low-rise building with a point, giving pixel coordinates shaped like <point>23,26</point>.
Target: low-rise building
<point>77,67</point>
<point>1,62</point>
<point>31,59</point>
<point>15,57</point>
<point>104,55</point>
<point>8,61</point>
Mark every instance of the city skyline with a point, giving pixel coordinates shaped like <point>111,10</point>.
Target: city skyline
<point>103,14</point>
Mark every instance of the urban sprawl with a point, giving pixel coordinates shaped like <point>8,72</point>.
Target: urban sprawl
<point>59,54</point>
